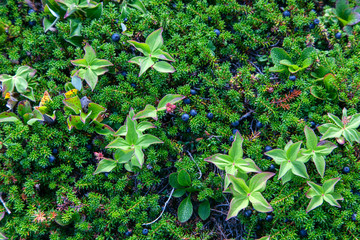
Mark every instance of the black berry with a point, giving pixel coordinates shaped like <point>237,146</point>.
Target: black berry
<point>145,231</point>
<point>303,233</point>
<point>286,13</point>
<point>338,35</point>
<point>247,213</point>
<point>115,37</point>
<point>292,78</point>
<point>346,170</point>
<point>210,116</point>
<point>269,218</point>
<point>185,117</point>
<point>267,148</point>
<point>187,101</point>
<point>235,124</point>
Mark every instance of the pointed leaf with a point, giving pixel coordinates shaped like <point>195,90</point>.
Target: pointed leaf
<point>284,168</point>
<point>354,122</point>
<point>314,203</point>
<point>144,126</point>
<point>239,185</point>
<point>320,163</point>
<point>145,65</point>
<point>258,182</point>
<point>90,54</point>
<point>9,117</point>
<point>299,169</point>
<point>147,140</point>
<point>277,154</point>
<point>331,200</point>
<point>123,156</point>
<point>148,112</point>
<point>142,47</point>
<point>293,151</point>
<point>236,151</point>
<point>329,185</point>
<point>103,129</point>
<point>131,134</point>
<point>318,189</point>
<point>278,54</point>
<point>236,205</point>
<point>138,5</point>
<point>100,63</point>
<point>105,165</point>
<point>259,202</point>
<point>139,154</point>
<point>311,138</point>
<point>119,143</point>
<point>220,160</point>
<point>332,133</point>
<point>163,67</point>
<point>170,98</point>
<point>155,40</point>
<point>73,103</point>
<point>91,78</point>
<point>336,120</point>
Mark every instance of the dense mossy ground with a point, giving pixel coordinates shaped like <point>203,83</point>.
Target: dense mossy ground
<point>229,71</point>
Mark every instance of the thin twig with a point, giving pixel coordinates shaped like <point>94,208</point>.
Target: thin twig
<point>191,157</point>
<point>3,203</point>
<point>166,203</point>
<point>257,68</point>
<point>218,211</point>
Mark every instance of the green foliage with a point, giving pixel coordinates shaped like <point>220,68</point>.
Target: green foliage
<point>234,163</point>
<point>75,10</point>
<point>290,160</point>
<point>245,192</point>
<point>94,67</point>
<point>20,82</point>
<point>2,236</point>
<point>152,51</point>
<point>283,62</point>
<point>318,194</point>
<point>316,150</point>
<point>126,4</point>
<point>341,130</point>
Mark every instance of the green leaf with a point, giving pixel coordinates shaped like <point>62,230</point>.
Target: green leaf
<point>103,129</point>
<point>119,143</point>
<point>331,200</point>
<point>20,83</point>
<point>149,111</point>
<point>311,138</point>
<point>351,135</point>
<point>131,133</point>
<point>105,165</point>
<point>170,98</point>
<point>323,128</point>
<point>185,210</point>
<point>179,193</point>
<point>258,182</point>
<point>204,210</point>
<point>9,117</point>
<point>307,53</point>
<point>160,54</point>
<point>329,185</point>
<point>314,203</point>
<point>332,133</point>
<point>287,177</point>
<point>239,185</point>
<point>277,154</point>
<point>336,120</point>
<point>90,54</point>
<point>285,166</point>
<point>144,126</point>
<point>320,163</point>
<point>76,82</point>
<point>95,110</point>
<point>236,151</point>
<point>306,63</point>
<point>163,67</point>
<point>139,154</point>
<point>142,47</point>
<point>74,121</point>
<point>100,63</point>
<point>293,151</point>
<point>299,169</point>
<point>123,156</point>
<point>247,165</point>
<point>220,160</point>
<point>145,65</point>
<point>236,205</point>
<point>184,178</point>
<point>94,12</point>
<point>173,180</point>
<point>138,5</point>
<point>325,147</point>
<point>288,64</point>
<point>75,27</point>
<point>137,60</point>
<point>147,140</point>
<point>318,189</point>
<point>24,107</point>
<point>91,78</point>
<point>278,68</point>
<point>342,9</point>
<point>73,103</point>
<point>259,202</point>
<point>354,122</point>
<point>278,54</point>
<point>155,40</point>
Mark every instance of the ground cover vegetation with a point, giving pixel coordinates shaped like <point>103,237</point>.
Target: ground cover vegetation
<point>210,119</point>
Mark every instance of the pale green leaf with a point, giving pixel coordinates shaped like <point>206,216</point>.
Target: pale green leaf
<point>236,205</point>
<point>314,203</point>
<point>105,165</point>
<point>258,182</point>
<point>259,202</point>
